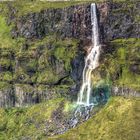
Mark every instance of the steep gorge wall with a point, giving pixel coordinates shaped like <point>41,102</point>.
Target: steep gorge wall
<point>50,57</point>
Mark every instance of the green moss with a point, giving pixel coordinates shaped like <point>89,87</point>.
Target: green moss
<point>5,63</point>
<point>5,38</point>
<point>4,85</point>
<point>8,45</point>
<point>31,65</point>
<point>118,120</point>
<point>63,51</point>
<point>5,53</point>
<point>37,5</point>
<point>129,79</point>
<point>6,76</point>
<point>125,54</point>
<point>18,123</point>
<point>24,7</point>
<point>33,61</point>
<point>21,76</point>
<point>47,76</point>
<point>66,50</point>
<point>27,6</point>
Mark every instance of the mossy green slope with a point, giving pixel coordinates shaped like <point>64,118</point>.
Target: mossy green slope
<point>128,56</point>
<point>121,62</point>
<point>119,120</point>
<point>18,123</point>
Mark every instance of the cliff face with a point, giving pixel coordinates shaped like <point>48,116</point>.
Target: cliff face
<point>117,20</point>
<point>45,56</point>
<point>68,22</point>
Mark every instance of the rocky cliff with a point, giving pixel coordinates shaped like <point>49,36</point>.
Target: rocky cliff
<point>42,52</point>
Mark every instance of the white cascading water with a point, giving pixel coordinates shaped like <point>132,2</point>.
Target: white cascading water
<point>91,61</point>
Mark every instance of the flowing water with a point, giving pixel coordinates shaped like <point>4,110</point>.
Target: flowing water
<point>91,61</point>
<point>85,110</point>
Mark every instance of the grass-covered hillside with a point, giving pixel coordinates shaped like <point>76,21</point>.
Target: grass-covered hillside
<point>118,120</point>
<point>24,123</point>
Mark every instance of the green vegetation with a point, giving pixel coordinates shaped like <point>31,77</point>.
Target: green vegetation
<point>33,60</point>
<point>118,120</point>
<point>65,51</point>
<point>128,55</point>
<point>24,7</point>
<point>8,45</point>
<point>5,38</point>
<point>4,85</point>
<point>5,63</point>
<point>47,76</point>
<point>119,63</point>
<point>60,51</point>
<point>18,123</point>
<point>6,76</point>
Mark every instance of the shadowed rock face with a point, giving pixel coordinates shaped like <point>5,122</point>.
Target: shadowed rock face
<point>7,98</point>
<point>25,95</point>
<point>77,67</point>
<point>68,22</point>
<point>116,21</point>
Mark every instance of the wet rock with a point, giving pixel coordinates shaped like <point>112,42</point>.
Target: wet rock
<point>63,123</point>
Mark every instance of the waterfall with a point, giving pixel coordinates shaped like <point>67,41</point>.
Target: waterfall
<point>91,61</point>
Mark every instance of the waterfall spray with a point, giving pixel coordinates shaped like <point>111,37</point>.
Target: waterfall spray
<point>91,61</point>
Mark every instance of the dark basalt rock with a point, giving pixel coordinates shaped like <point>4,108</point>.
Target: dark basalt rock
<point>7,97</point>
<point>25,95</point>
<point>124,91</point>
<point>77,67</point>
<point>116,21</point>
<point>135,68</point>
<point>68,22</point>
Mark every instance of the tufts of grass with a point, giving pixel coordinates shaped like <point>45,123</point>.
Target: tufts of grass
<point>66,51</point>
<point>4,85</point>
<point>6,40</point>
<point>6,76</point>
<point>19,123</point>
<point>118,63</point>
<point>118,120</point>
